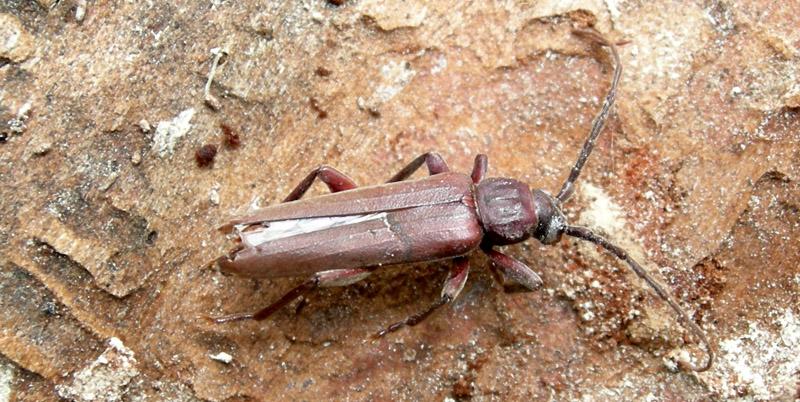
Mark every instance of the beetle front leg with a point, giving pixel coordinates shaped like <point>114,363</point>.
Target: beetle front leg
<point>334,179</point>
<point>335,277</point>
<point>432,160</point>
<point>452,287</point>
<point>504,267</point>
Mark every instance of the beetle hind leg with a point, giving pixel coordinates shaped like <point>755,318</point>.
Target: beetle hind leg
<point>336,277</point>
<point>225,257</point>
<point>452,287</point>
<point>301,290</point>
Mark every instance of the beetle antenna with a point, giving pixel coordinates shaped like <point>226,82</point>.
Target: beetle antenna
<point>588,235</point>
<point>569,185</point>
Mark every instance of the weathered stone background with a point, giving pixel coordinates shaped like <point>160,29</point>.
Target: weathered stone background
<point>107,220</point>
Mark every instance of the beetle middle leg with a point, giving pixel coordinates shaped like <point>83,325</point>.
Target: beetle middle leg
<point>334,179</point>
<point>479,168</point>
<point>452,287</point>
<point>432,160</point>
<point>335,277</point>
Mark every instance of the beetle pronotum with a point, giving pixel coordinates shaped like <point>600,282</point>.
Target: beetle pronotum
<point>340,238</point>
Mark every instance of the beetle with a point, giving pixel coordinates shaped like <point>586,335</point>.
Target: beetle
<point>340,238</point>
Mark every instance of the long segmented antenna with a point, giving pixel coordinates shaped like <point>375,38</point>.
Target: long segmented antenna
<point>585,234</point>
<point>588,235</point>
<point>569,185</point>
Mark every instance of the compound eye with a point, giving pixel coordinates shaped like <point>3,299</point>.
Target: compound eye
<point>551,221</point>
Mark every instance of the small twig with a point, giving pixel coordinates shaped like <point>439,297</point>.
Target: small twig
<point>210,100</point>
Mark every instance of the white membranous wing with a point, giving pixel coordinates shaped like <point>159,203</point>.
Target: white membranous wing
<point>256,235</point>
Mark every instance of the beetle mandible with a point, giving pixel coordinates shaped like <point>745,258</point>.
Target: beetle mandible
<point>340,238</point>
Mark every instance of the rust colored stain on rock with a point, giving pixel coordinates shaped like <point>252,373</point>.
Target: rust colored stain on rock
<point>205,155</point>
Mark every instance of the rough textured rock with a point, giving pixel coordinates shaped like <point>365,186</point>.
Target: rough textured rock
<point>107,222</point>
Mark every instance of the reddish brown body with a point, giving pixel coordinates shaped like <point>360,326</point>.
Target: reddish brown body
<point>340,238</point>
<point>422,220</point>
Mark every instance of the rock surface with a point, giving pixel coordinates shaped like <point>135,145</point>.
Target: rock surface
<point>107,222</point>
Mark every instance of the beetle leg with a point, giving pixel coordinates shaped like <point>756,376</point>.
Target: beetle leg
<point>432,160</point>
<point>335,277</point>
<point>504,267</point>
<point>479,168</point>
<point>334,179</point>
<point>452,287</point>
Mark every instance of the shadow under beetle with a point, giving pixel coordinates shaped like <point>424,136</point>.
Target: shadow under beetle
<point>340,238</point>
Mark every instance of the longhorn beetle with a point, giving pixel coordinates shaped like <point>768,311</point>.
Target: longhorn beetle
<point>340,238</point>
